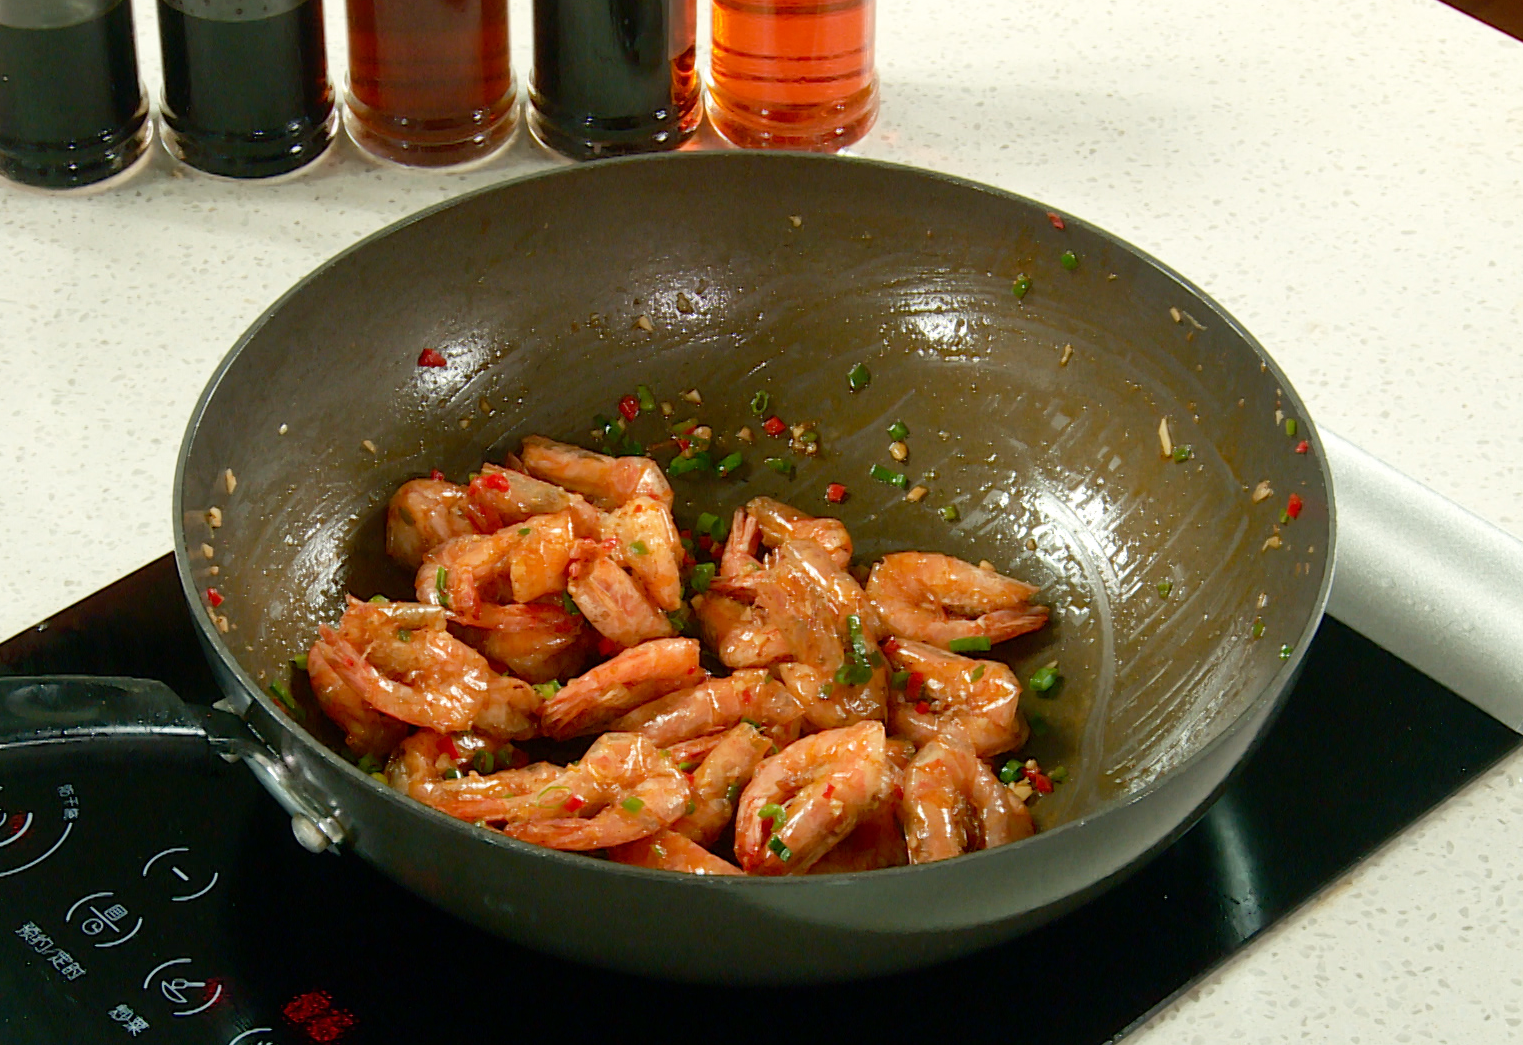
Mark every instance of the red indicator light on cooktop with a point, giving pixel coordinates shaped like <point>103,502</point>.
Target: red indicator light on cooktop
<point>316,1015</point>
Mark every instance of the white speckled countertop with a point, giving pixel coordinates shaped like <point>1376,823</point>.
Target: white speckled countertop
<point>1345,177</point>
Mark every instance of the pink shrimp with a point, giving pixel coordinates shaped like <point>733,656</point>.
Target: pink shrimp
<point>424,757</point>
<point>366,730</point>
<point>690,753</point>
<point>521,563</point>
<point>647,543</point>
<point>423,514</point>
<point>953,804</point>
<point>719,780</point>
<point>712,705</point>
<point>825,785</point>
<point>607,481</point>
<point>936,599</point>
<point>475,796</point>
<point>510,711</point>
<point>500,497</point>
<point>666,850</point>
<point>780,523</point>
<point>739,558</point>
<point>621,790</point>
<point>737,632</point>
<point>611,600</point>
<point>537,642</point>
<point>983,695</point>
<point>642,673</point>
<point>875,843</point>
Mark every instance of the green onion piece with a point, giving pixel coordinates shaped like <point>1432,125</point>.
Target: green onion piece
<point>1181,453</point>
<point>706,522</point>
<point>729,463</point>
<point>1021,286</point>
<point>949,513</point>
<point>1258,628</point>
<point>1039,726</point>
<point>300,661</point>
<point>379,598</point>
<point>647,401</point>
<point>632,804</point>
<point>809,436</point>
<point>779,465</point>
<point>897,430</point>
<point>369,764</point>
<point>888,475</point>
<point>547,689</point>
<point>283,694</point>
<point>569,604</point>
<point>1069,260</point>
<point>381,777</point>
<point>978,673</point>
<point>1010,772</point>
<point>720,530</point>
<point>971,644</point>
<point>699,462</point>
<point>850,674</point>
<point>524,531</point>
<point>684,427</point>
<point>701,576</point>
<point>690,808</point>
<point>441,585</point>
<point>1285,652</point>
<point>688,766</point>
<point>1290,426</point>
<point>403,635</point>
<point>452,774</point>
<point>770,811</point>
<point>1284,517</point>
<point>861,652</point>
<point>750,722</point>
<point>759,403</point>
<point>1057,774</point>
<point>678,618</point>
<point>783,852</point>
<point>875,659</point>
<point>1043,679</point>
<point>631,447</point>
<point>732,792</point>
<point>639,548</point>
<point>899,679</point>
<point>484,762</point>
<point>826,690</point>
<point>859,377</point>
<point>1164,587</point>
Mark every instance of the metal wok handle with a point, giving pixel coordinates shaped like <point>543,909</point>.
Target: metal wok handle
<point>57,709</point>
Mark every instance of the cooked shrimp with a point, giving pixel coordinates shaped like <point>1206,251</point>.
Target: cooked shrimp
<point>607,481</point>
<point>739,558</point>
<point>647,542</point>
<point>623,789</point>
<point>642,673</point>
<point>719,780</point>
<point>519,563</point>
<point>666,850</point>
<point>825,784</point>
<point>500,497</point>
<point>953,804</point>
<point>875,843</point>
<point>366,730</point>
<point>781,522</point>
<point>400,660</point>
<point>611,600</point>
<point>510,711</point>
<point>423,514</point>
<point>738,633</point>
<point>476,797</point>
<point>537,642</point>
<point>423,758</point>
<point>691,752</point>
<point>936,598</point>
<point>540,555</point>
<point>712,705</point>
<point>983,695</point>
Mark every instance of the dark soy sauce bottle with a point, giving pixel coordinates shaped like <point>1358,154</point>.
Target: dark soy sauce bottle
<point>71,109</point>
<point>614,76</point>
<point>246,89</point>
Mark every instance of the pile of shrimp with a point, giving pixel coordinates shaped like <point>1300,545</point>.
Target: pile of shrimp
<point>549,596</point>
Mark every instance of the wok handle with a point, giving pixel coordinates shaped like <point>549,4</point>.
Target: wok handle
<point>55,709</point>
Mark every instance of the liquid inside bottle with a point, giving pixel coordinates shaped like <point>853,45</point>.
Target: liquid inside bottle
<point>430,81</point>
<point>71,109</point>
<point>614,76</point>
<point>246,89</point>
<point>793,74</point>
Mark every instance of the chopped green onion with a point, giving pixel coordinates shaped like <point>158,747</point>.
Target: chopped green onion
<point>809,435</point>
<point>524,531</point>
<point>699,462</point>
<point>381,777</point>
<point>701,576</point>
<point>1057,774</point>
<point>826,690</point>
<point>971,644</point>
<point>1181,453</point>
<point>706,522</point>
<point>771,811</point>
<point>888,475</point>
<point>899,679</point>
<point>547,689</point>
<point>759,403</point>
<point>1284,517</point>
<point>684,427</point>
<point>441,585</point>
<point>897,430</point>
<point>978,673</point>
<point>779,465</point>
<point>1258,627</point>
<point>1011,771</point>
<point>678,618</point>
<point>859,377</point>
<point>1021,286</point>
<point>1039,726</point>
<point>1043,679</point>
<point>1290,426</point>
<point>647,401</point>
<point>875,659</point>
<point>783,852</point>
<point>369,764</point>
<point>484,762</point>
<point>1164,587</point>
<point>639,548</point>
<point>452,774</point>
<point>300,661</point>
<point>403,635</point>
<point>379,598</point>
<point>729,463</point>
<point>1069,260</point>
<point>861,652</point>
<point>850,674</point>
<point>720,530</point>
<point>1285,652</point>
<point>283,694</point>
<point>949,513</point>
<point>569,604</point>
<point>732,792</point>
<point>690,808</point>
<point>750,722</point>
<point>688,766</point>
<point>632,804</point>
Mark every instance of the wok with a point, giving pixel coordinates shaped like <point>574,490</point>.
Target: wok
<point>1037,417</point>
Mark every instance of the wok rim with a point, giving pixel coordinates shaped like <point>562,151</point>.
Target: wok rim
<point>1274,693</point>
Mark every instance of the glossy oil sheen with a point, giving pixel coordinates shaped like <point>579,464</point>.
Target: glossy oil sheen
<point>71,109</point>
<point>793,74</point>
<point>246,89</point>
<point>1054,466</point>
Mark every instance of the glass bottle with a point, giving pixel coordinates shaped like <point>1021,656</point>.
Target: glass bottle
<point>246,89</point>
<point>793,74</point>
<point>72,111</point>
<point>614,76</point>
<point>430,81</point>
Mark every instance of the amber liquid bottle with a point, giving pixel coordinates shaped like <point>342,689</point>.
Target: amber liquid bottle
<point>793,74</point>
<point>430,82</point>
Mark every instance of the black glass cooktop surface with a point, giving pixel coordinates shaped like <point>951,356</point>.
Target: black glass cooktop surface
<point>151,892</point>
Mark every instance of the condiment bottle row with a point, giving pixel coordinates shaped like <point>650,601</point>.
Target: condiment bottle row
<point>247,92</point>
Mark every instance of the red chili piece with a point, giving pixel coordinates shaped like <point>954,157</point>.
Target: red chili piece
<point>495,481</point>
<point>705,542</point>
<point>913,685</point>
<point>214,597</point>
<point>428,357</point>
<point>830,789</point>
<point>1293,506</point>
<point>774,425</point>
<point>1303,447</point>
<point>1056,219</point>
<point>448,744</point>
<point>922,707</point>
<point>629,406</point>
<point>436,475</point>
<point>835,493</point>
<point>1041,781</point>
<point>572,804</point>
<point>607,647</point>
